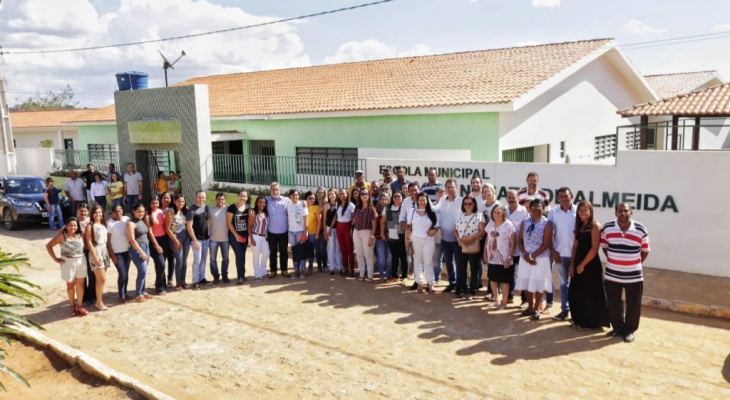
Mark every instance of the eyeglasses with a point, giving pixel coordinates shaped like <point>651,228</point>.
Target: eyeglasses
<point>310,198</point>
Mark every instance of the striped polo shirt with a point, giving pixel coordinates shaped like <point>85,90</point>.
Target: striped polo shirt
<point>623,264</point>
<point>524,194</point>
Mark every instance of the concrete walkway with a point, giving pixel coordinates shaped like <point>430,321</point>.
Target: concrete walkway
<point>689,293</point>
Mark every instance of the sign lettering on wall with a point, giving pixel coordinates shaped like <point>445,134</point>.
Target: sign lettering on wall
<point>599,199</point>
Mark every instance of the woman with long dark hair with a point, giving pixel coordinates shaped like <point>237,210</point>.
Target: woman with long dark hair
<point>586,297</point>
<point>365,223</point>
<point>334,258</point>
<point>382,251</point>
<point>320,242</point>
<point>98,191</point>
<point>117,227</point>
<point>175,227</point>
<point>423,225</point>
<point>138,234</point>
<point>237,217</point>
<point>313,223</point>
<point>155,220</point>
<point>96,238</point>
<point>258,224</point>
<point>343,221</point>
<point>392,231</point>
<point>72,262</point>
<point>166,206</point>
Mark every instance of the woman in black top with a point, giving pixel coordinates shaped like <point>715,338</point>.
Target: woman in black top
<point>139,248</point>
<point>237,221</point>
<point>587,298</point>
<point>393,232</point>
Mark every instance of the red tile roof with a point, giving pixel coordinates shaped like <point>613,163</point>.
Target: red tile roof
<point>668,85</point>
<point>711,101</point>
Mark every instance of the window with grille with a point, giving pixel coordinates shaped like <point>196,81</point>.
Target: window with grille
<point>605,147</point>
<point>102,155</point>
<point>525,154</point>
<point>327,161</point>
<point>633,139</point>
<point>218,148</point>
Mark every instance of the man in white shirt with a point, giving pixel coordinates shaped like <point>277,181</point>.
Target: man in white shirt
<point>563,221</point>
<point>449,208</point>
<point>516,213</point>
<point>132,186</point>
<point>74,189</point>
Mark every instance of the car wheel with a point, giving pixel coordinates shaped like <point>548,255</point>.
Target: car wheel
<point>8,219</point>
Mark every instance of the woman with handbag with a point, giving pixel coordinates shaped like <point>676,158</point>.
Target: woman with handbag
<point>423,225</point>
<point>498,254</point>
<point>468,230</point>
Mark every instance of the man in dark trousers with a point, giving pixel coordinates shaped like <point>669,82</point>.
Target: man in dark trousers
<point>625,243</point>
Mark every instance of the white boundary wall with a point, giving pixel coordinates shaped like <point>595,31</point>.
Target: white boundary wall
<point>681,196</point>
<point>34,161</point>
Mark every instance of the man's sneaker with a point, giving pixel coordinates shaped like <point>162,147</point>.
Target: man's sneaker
<point>294,276</point>
<point>562,316</point>
<point>205,282</point>
<point>448,289</point>
<point>226,280</point>
<point>216,281</point>
<point>629,338</point>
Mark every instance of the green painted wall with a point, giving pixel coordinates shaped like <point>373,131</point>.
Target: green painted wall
<point>476,131</point>
<point>96,134</point>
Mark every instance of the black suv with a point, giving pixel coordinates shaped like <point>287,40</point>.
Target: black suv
<point>21,201</point>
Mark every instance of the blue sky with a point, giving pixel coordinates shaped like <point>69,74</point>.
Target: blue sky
<point>404,27</point>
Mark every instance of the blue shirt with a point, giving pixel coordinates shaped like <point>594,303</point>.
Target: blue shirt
<point>396,186</point>
<point>278,223</point>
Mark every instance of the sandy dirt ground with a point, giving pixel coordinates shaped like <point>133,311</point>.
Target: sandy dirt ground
<point>52,378</point>
<point>335,338</point>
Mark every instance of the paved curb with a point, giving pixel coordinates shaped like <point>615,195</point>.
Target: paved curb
<point>686,307</point>
<point>92,366</point>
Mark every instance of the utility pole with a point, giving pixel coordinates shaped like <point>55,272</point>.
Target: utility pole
<point>7,149</point>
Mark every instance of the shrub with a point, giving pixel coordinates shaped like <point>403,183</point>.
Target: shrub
<point>14,287</point>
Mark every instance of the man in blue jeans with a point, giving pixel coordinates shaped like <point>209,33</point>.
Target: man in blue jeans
<point>219,238</point>
<point>197,226</point>
<point>562,219</point>
<point>132,187</point>
<point>449,208</point>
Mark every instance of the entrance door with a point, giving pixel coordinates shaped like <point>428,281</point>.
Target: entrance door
<point>262,156</point>
<point>68,145</point>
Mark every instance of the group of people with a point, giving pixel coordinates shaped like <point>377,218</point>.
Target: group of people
<point>398,227</point>
<point>92,187</point>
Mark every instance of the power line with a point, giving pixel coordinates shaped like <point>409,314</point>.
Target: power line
<point>318,14</point>
<point>676,40</point>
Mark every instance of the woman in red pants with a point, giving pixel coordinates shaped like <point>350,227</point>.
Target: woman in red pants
<point>343,222</point>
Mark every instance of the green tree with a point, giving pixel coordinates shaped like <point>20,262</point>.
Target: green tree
<point>46,144</point>
<point>50,100</point>
<point>15,294</point>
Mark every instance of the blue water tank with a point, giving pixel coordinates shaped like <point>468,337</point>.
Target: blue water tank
<point>132,80</point>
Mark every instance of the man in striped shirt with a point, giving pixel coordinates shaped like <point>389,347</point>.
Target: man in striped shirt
<point>625,243</point>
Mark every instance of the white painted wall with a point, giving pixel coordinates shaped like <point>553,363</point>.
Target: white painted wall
<point>30,138</point>
<point>694,239</point>
<point>415,154</point>
<point>34,161</point>
<point>576,110</point>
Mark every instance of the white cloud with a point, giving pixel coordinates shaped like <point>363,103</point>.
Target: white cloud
<point>636,27</point>
<point>371,49</point>
<point>546,3</point>
<point>528,43</point>
<point>721,28</point>
<point>43,24</point>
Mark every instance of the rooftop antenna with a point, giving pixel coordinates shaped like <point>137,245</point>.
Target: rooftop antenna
<point>167,63</point>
